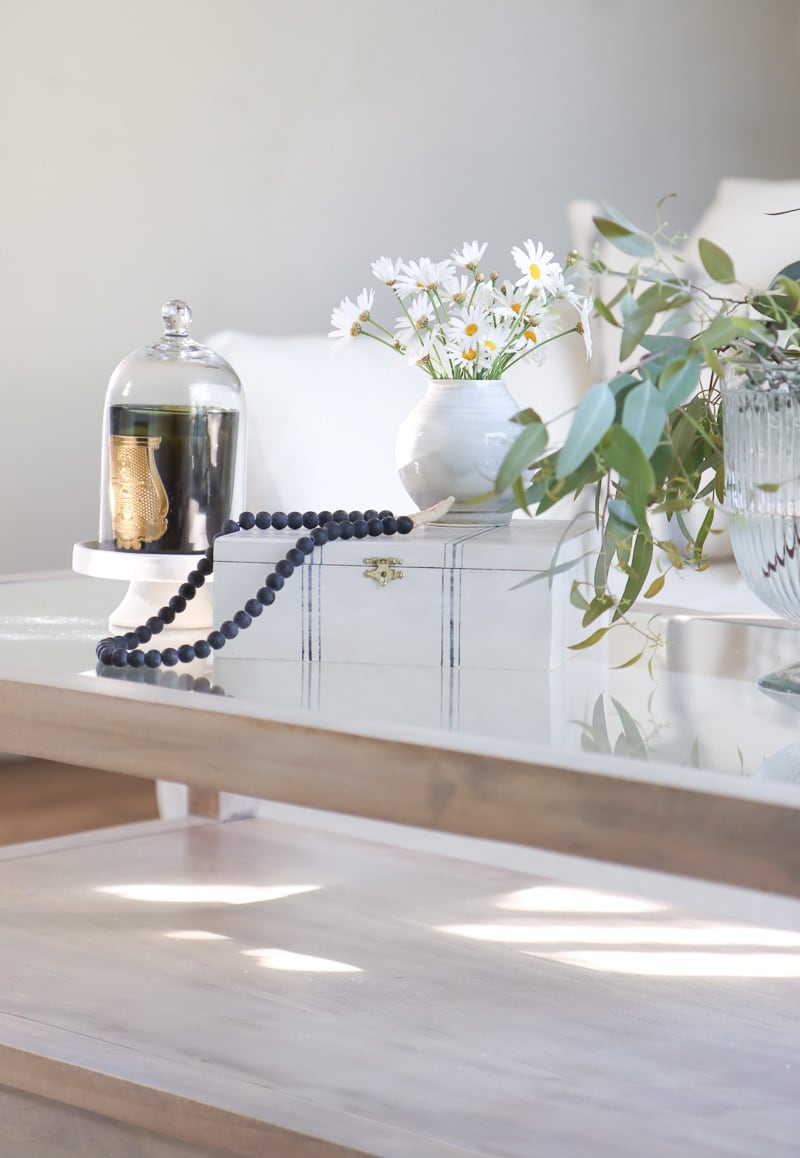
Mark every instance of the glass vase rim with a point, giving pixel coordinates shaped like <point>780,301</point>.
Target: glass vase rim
<point>762,377</point>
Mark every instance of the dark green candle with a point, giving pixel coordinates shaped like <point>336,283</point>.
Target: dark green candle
<point>171,476</point>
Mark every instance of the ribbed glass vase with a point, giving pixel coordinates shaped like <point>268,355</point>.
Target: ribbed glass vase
<point>761,431</point>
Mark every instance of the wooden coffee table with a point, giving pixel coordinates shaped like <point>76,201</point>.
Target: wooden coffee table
<point>256,986</point>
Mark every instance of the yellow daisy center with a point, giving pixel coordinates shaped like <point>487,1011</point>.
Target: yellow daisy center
<point>490,345</point>
<point>530,335</point>
<point>469,355</point>
<point>516,307</point>
<point>471,329</point>
<point>536,273</point>
<point>355,329</point>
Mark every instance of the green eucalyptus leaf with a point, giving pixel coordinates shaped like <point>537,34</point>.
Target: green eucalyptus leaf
<point>527,416</point>
<point>664,343</point>
<point>622,513</point>
<point>593,418</point>
<point>637,320</point>
<point>716,262</point>
<point>638,570</point>
<point>644,416</point>
<point>590,640</point>
<point>624,455</point>
<point>526,448</point>
<point>605,313</point>
<point>679,379</point>
<point>627,240</point>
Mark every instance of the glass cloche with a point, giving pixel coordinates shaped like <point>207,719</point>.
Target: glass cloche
<point>173,445</point>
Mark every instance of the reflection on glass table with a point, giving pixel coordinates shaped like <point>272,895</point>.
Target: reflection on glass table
<point>701,706</point>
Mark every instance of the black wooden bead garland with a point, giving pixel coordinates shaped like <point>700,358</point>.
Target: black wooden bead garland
<point>324,527</point>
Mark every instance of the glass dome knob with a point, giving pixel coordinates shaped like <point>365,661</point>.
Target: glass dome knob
<point>177,317</point>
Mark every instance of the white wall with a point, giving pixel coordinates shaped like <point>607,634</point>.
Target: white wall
<point>253,156</point>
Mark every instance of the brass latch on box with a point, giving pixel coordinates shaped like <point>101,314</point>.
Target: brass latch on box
<point>383,570</point>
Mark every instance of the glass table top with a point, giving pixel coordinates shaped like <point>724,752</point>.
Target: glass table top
<point>698,705</point>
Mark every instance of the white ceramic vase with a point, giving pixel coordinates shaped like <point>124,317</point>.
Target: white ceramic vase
<point>453,442</point>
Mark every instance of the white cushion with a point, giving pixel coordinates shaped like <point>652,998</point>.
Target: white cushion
<point>322,421</point>
<point>738,220</point>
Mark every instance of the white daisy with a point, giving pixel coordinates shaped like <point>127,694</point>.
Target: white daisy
<point>467,327</point>
<point>566,291</point>
<point>583,325</point>
<point>456,289</point>
<point>424,274</point>
<point>386,270</point>
<point>346,321</point>
<point>511,300</point>
<point>420,319</point>
<point>537,267</point>
<point>429,351</point>
<point>470,255</point>
<point>364,302</point>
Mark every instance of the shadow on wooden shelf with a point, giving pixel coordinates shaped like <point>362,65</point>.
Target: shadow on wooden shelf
<point>39,798</point>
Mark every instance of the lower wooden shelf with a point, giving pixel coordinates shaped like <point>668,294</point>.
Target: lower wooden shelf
<point>253,988</point>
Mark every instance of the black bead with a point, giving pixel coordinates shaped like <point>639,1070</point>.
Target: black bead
<point>263,520</point>
<point>324,517</point>
<point>169,657</point>
<point>118,641</point>
<point>265,596</point>
<point>375,527</point>
<point>370,514</point>
<point>279,520</point>
<point>334,530</point>
<point>155,624</point>
<point>153,658</point>
<point>310,520</point>
<point>107,639</point>
<point>305,545</point>
<point>166,614</point>
<point>354,516</point>
<point>187,591</point>
<point>229,527</point>
<point>389,525</point>
<point>360,529</point>
<point>215,639</point>
<point>136,659</point>
<point>274,581</point>
<point>319,536</point>
<point>196,578</point>
<point>340,516</point>
<point>106,654</point>
<point>201,648</point>
<point>229,629</point>
<point>186,653</point>
<point>130,639</point>
<point>296,557</point>
<point>209,553</point>
<point>204,566</point>
<point>178,604</point>
<point>247,520</point>
<point>242,619</point>
<point>345,529</point>
<point>285,568</point>
<point>254,607</point>
<point>295,520</point>
<point>216,690</point>
<point>404,525</point>
<point>385,514</point>
<point>201,684</point>
<point>143,634</point>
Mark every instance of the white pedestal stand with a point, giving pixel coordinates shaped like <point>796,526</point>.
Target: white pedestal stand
<point>152,581</point>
